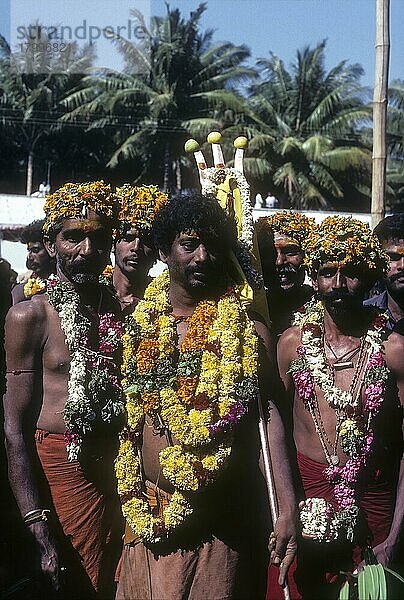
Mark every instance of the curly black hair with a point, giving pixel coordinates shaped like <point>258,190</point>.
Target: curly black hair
<point>390,228</point>
<point>33,232</point>
<point>194,212</point>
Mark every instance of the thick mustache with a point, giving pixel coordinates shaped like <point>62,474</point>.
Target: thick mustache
<point>131,257</point>
<point>336,295</point>
<point>396,276</point>
<point>201,269</point>
<point>83,266</point>
<point>286,269</point>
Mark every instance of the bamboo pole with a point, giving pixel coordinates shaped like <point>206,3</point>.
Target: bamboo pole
<point>380,97</point>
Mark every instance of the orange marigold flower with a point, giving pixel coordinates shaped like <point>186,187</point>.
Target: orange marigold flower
<point>73,199</point>
<point>146,356</point>
<point>186,387</point>
<point>292,224</point>
<point>138,206</point>
<point>198,326</point>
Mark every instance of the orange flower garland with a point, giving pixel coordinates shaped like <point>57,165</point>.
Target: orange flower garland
<point>200,394</point>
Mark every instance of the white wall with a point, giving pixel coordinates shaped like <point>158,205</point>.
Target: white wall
<point>18,210</point>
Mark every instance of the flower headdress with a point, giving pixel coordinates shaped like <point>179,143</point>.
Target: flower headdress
<point>291,224</point>
<point>345,240</point>
<point>74,199</point>
<point>138,206</point>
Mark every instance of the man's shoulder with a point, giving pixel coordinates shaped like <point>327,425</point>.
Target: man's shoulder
<point>29,311</point>
<point>290,339</point>
<point>18,293</point>
<point>394,350</point>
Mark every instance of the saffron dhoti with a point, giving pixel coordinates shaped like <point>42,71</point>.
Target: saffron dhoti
<point>86,505</point>
<point>214,568</point>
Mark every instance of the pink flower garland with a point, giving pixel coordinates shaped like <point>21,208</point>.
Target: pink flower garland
<point>345,478</point>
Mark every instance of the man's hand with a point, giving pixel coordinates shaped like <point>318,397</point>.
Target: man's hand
<point>283,544</point>
<point>48,559</point>
<point>384,552</point>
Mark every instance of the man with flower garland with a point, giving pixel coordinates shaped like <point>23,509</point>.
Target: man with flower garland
<point>38,260</point>
<point>188,467</point>
<point>281,238</point>
<point>345,378</point>
<point>63,406</point>
<point>133,247</point>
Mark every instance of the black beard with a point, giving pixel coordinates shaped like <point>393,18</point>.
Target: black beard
<point>212,285</point>
<point>83,278</point>
<point>81,272</point>
<point>350,303</point>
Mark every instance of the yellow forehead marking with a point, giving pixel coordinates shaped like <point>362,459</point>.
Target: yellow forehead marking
<point>86,225</point>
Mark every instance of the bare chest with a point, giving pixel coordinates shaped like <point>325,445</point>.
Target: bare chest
<point>56,354</point>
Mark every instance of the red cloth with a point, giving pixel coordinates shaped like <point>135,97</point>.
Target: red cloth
<point>318,565</point>
<point>88,511</point>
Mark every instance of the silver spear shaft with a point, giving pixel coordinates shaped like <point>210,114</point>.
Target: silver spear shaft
<point>273,503</point>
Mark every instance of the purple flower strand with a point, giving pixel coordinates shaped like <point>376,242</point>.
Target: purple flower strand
<point>304,385</point>
<point>235,414</point>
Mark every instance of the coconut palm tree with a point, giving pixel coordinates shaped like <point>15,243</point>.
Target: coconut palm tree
<point>395,146</point>
<point>306,148</point>
<point>184,87</point>
<point>32,83</point>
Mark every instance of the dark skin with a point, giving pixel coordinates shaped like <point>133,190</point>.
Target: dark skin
<point>38,362</point>
<point>39,262</point>
<point>395,277</point>
<point>289,262</point>
<point>283,271</point>
<point>345,321</point>
<point>197,272</point>
<point>134,257</point>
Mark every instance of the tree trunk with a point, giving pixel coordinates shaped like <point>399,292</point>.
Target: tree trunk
<point>380,110</point>
<point>166,168</point>
<point>30,168</point>
<point>178,175</point>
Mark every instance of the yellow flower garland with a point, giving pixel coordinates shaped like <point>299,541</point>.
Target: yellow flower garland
<point>200,401</point>
<point>34,285</point>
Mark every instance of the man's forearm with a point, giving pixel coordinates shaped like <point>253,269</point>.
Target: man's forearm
<point>21,472</point>
<point>280,460</point>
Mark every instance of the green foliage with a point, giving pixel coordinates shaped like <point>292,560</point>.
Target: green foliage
<point>309,129</point>
<point>371,582</point>
<point>395,141</point>
<point>306,130</point>
<point>178,85</point>
<point>32,85</point>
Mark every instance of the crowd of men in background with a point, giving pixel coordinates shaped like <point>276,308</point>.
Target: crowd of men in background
<point>76,538</point>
